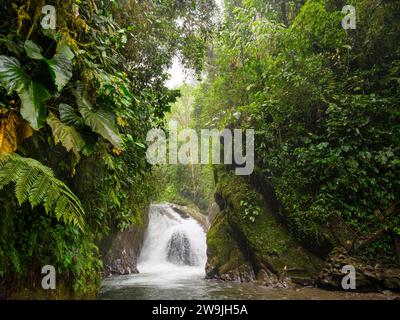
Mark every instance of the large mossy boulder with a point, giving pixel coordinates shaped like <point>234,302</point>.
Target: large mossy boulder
<point>247,240</point>
<point>226,260</point>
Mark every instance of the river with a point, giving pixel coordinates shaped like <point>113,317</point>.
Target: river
<point>172,267</point>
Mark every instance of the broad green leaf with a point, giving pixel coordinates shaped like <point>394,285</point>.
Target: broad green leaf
<point>32,94</point>
<point>12,76</point>
<point>33,107</point>
<point>67,135</point>
<point>33,50</point>
<point>99,120</point>
<point>60,66</point>
<point>65,51</point>
<point>68,115</point>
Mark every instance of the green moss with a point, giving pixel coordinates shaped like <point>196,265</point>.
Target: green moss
<point>269,242</point>
<point>62,292</point>
<point>223,251</point>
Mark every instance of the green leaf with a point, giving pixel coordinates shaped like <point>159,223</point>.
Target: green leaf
<point>12,76</point>
<point>60,66</point>
<point>33,107</point>
<point>68,115</point>
<point>99,120</point>
<point>141,145</point>
<point>37,183</point>
<point>33,50</point>
<point>67,135</point>
<point>32,94</point>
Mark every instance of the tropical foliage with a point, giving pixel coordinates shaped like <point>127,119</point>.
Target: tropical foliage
<point>76,103</point>
<point>324,102</point>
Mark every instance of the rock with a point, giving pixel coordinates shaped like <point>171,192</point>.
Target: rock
<point>387,292</point>
<point>368,277</point>
<point>185,212</point>
<point>179,251</point>
<point>225,259</point>
<point>235,243</point>
<point>120,251</point>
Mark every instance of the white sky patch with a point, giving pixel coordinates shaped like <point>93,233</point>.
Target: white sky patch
<point>220,4</point>
<point>179,75</point>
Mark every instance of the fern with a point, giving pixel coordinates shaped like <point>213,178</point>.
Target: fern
<point>36,182</point>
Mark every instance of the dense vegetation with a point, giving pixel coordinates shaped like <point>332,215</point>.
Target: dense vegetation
<point>324,102</point>
<point>76,103</point>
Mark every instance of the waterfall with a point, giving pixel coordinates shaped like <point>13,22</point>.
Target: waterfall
<point>172,244</point>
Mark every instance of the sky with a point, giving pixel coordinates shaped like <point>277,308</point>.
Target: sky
<point>179,74</point>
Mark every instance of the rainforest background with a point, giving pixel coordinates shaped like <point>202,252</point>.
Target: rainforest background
<point>77,102</point>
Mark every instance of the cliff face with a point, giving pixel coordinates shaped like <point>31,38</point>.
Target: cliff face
<point>247,242</point>
<point>120,251</point>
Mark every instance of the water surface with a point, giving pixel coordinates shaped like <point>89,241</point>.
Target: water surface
<point>172,267</point>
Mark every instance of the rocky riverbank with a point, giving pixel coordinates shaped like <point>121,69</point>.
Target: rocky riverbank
<point>248,242</point>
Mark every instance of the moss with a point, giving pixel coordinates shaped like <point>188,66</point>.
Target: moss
<point>223,251</point>
<point>269,242</point>
<point>62,292</point>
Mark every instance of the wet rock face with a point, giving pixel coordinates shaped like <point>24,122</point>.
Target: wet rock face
<point>179,250</point>
<point>121,250</point>
<point>368,277</point>
<point>266,278</point>
<point>225,259</point>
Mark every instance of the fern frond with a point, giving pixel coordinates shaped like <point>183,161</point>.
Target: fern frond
<point>39,191</point>
<point>36,182</point>
<point>24,183</point>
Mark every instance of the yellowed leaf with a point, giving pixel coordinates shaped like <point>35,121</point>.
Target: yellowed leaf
<point>13,131</point>
<point>121,122</point>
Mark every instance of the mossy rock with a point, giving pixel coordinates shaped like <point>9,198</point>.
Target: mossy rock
<point>267,243</point>
<point>226,261</point>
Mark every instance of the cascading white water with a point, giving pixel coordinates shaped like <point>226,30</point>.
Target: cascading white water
<point>174,246</point>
